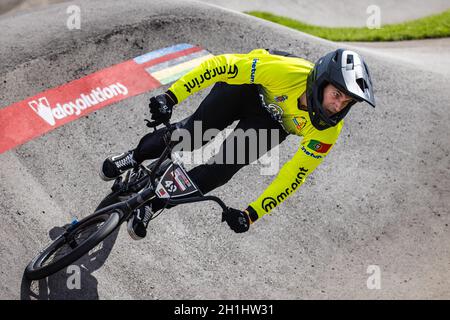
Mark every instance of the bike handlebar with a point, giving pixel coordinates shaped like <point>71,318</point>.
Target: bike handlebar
<point>167,151</point>
<point>198,199</point>
<point>154,124</point>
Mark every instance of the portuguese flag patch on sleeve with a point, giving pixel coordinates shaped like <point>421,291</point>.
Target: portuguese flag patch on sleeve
<point>318,146</point>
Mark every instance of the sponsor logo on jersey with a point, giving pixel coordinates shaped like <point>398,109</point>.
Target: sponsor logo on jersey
<point>315,156</point>
<point>318,146</point>
<point>253,71</point>
<point>232,72</point>
<point>269,203</point>
<point>281,98</point>
<point>299,122</point>
<point>275,110</point>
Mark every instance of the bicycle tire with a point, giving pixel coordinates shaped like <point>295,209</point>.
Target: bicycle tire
<point>35,270</point>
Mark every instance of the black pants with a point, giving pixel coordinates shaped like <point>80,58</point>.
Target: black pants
<point>221,107</point>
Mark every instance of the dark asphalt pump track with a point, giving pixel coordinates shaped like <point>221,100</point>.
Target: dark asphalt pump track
<point>380,198</point>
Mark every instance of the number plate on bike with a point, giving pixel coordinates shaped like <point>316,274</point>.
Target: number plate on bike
<point>175,183</point>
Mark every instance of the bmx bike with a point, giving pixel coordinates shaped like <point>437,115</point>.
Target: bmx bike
<point>165,178</point>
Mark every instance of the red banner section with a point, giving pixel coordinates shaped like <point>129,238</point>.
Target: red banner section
<point>32,117</point>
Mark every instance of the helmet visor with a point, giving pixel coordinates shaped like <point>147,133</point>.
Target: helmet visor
<point>355,73</point>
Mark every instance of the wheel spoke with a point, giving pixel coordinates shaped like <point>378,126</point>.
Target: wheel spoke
<point>84,237</point>
<point>73,241</point>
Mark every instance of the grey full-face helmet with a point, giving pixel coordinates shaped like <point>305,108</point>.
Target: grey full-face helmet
<point>347,71</point>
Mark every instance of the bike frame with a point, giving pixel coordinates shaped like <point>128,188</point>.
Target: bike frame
<point>126,207</point>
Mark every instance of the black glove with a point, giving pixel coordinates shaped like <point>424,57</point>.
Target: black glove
<point>238,220</point>
<point>161,107</point>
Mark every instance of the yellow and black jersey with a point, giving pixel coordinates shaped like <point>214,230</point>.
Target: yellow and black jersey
<point>281,81</point>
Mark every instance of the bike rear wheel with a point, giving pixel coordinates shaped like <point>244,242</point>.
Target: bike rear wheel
<point>78,240</point>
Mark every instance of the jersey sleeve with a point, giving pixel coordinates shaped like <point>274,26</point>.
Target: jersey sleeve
<point>293,174</point>
<point>232,69</point>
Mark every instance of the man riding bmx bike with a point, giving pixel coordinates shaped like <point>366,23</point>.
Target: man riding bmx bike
<point>263,89</point>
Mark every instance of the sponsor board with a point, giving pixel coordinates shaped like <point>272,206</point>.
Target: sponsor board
<point>196,82</point>
<point>253,71</point>
<point>48,110</point>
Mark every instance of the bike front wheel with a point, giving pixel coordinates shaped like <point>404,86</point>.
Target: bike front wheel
<point>75,242</point>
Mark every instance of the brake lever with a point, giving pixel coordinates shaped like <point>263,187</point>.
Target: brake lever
<point>152,124</point>
<point>224,212</point>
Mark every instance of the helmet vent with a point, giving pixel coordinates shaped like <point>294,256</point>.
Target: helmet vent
<point>350,63</point>
<point>350,59</point>
<point>362,84</point>
<point>335,57</point>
